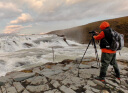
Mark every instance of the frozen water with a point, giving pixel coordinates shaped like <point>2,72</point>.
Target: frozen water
<point>18,52</point>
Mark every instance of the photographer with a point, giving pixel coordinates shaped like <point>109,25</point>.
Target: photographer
<point>108,56</point>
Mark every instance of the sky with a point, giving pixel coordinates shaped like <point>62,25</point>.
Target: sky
<point>42,16</point>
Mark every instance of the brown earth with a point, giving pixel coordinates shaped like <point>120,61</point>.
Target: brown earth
<point>81,33</point>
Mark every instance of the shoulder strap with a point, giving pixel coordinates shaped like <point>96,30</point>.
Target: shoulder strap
<point>105,32</point>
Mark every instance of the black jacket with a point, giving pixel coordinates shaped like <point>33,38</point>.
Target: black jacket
<point>107,40</point>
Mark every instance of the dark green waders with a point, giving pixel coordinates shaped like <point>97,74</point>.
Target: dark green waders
<point>107,59</point>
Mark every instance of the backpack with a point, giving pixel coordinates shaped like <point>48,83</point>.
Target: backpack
<point>117,41</point>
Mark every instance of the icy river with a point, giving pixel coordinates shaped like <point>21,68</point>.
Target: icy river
<point>19,52</point>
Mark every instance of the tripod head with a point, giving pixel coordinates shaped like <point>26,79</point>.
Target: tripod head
<point>93,33</point>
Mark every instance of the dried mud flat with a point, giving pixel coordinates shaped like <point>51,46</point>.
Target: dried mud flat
<point>63,77</point>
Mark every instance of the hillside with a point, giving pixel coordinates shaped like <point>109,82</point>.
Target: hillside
<point>81,35</point>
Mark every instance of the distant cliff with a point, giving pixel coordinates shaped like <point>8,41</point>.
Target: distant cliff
<point>81,33</point>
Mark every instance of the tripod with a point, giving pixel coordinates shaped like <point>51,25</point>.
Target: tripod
<point>96,53</point>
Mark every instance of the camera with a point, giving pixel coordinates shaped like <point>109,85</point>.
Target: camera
<point>92,32</point>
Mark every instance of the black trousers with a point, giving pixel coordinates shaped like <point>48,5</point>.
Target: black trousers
<point>107,59</point>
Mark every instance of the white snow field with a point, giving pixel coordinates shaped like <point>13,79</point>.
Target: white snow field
<point>18,52</point>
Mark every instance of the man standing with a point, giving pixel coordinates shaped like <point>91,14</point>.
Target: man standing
<point>108,56</point>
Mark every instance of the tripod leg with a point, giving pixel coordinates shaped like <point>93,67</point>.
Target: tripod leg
<point>97,58</point>
<point>86,50</point>
<point>83,55</point>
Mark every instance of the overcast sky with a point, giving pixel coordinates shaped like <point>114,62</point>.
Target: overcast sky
<point>41,16</point>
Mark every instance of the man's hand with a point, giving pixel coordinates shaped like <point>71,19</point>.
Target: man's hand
<point>97,32</point>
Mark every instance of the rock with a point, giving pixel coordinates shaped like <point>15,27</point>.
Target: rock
<point>72,80</point>
<point>87,87</point>
<point>123,82</point>
<point>95,90</point>
<point>77,81</point>
<point>73,87</point>
<point>110,86</point>
<point>92,63</point>
<point>56,91</point>
<point>36,70</point>
<point>66,90</point>
<point>99,83</point>
<point>7,85</point>
<point>123,90</point>
<point>84,75</point>
<point>59,77</point>
<point>56,84</point>
<point>82,66</point>
<point>37,80</point>
<point>49,65</point>
<point>13,74</point>
<point>104,91</point>
<point>50,91</point>
<point>3,80</point>
<point>62,78</point>
<point>23,76</point>
<point>126,68</point>
<point>67,81</point>
<point>29,80</point>
<point>37,89</point>
<point>73,71</point>
<point>53,91</point>
<point>25,91</point>
<point>92,71</point>
<point>117,81</point>
<point>80,90</point>
<point>87,73</point>
<point>11,90</point>
<point>124,72</point>
<point>88,91</point>
<point>91,83</point>
<point>3,89</point>
<point>66,61</point>
<point>122,60</point>
<point>67,67</point>
<point>49,72</point>
<point>111,83</point>
<point>59,66</point>
<point>42,67</point>
<point>122,86</point>
<point>28,70</point>
<point>84,60</point>
<point>18,86</point>
<point>96,65</point>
